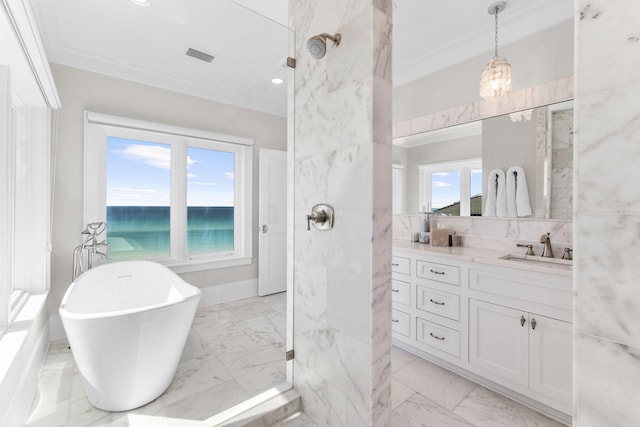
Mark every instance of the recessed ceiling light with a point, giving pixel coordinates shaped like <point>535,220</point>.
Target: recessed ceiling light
<point>277,81</point>
<point>143,3</point>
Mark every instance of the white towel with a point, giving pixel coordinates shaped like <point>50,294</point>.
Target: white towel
<point>517,193</point>
<point>496,204</point>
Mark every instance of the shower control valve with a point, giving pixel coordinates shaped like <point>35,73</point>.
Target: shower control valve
<point>321,217</point>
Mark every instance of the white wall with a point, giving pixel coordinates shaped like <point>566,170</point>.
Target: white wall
<point>506,144</point>
<point>540,58</point>
<point>81,90</point>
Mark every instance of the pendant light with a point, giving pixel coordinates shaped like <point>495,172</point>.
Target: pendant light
<point>495,81</point>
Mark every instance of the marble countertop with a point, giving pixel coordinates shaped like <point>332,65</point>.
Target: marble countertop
<point>488,256</point>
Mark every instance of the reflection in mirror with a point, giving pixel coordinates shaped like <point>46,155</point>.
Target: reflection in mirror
<point>443,169</point>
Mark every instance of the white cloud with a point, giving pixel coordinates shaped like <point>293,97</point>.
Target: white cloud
<point>228,175</point>
<point>151,155</point>
<point>441,184</point>
<point>128,196</point>
<point>202,183</point>
<point>191,175</point>
<point>134,190</point>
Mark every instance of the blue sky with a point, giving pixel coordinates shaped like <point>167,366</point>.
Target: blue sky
<point>138,174</point>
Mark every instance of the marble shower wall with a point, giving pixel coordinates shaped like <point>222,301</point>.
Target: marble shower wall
<point>607,213</point>
<point>342,326</point>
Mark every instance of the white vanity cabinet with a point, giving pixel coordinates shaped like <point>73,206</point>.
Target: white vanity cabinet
<point>401,296</point>
<point>514,347</point>
<point>508,328</point>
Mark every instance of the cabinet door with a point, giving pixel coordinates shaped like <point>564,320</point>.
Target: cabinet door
<point>550,365</point>
<point>498,346</point>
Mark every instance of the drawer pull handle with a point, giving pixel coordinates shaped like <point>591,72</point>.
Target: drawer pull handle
<point>533,323</point>
<point>436,337</point>
<point>395,290</point>
<point>436,272</point>
<point>436,302</point>
<point>395,320</point>
<point>522,320</point>
<point>395,264</point>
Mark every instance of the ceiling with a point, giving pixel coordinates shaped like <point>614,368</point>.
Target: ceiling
<point>148,44</point>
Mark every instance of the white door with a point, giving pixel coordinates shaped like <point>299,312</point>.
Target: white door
<point>550,364</point>
<point>498,342</point>
<point>272,270</point>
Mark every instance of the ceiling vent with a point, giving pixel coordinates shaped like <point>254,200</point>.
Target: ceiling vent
<point>199,55</point>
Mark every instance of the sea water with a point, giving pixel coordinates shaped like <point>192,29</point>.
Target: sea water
<point>143,231</point>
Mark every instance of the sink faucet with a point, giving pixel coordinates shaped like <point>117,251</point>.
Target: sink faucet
<point>546,251</point>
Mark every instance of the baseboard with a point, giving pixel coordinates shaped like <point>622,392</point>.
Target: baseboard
<point>226,292</point>
<point>211,295</point>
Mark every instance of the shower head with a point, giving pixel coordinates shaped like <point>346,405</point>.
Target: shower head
<point>317,45</point>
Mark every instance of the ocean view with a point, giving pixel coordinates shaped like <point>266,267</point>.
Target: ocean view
<point>143,231</point>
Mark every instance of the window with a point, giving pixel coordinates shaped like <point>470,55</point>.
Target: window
<point>452,188</point>
<point>25,196</point>
<point>178,196</point>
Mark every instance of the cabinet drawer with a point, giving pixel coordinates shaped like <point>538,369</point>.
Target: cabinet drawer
<point>529,286</point>
<point>400,322</point>
<point>437,336</point>
<point>401,292</point>
<point>400,265</point>
<point>439,272</point>
<point>438,302</point>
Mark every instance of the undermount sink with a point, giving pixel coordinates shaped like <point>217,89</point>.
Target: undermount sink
<point>564,264</point>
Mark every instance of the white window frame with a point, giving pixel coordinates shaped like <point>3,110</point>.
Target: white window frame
<point>99,126</point>
<point>425,185</point>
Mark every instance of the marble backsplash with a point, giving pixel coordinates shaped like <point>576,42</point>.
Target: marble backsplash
<point>494,233</point>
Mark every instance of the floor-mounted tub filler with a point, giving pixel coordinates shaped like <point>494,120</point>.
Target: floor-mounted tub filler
<point>127,324</point>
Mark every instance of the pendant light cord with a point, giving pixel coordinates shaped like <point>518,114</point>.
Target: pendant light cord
<point>496,19</point>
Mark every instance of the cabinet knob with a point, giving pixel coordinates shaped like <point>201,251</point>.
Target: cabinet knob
<point>522,321</point>
<point>395,320</point>
<point>533,323</point>
<point>395,290</point>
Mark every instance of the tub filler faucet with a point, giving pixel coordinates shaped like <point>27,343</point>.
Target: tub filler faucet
<point>84,254</point>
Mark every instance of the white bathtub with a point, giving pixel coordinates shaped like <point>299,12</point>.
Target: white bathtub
<point>127,323</point>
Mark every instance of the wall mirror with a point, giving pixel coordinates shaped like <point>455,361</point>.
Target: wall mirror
<point>445,170</point>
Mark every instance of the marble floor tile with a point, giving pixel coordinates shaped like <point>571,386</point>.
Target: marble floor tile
<point>399,393</point>
<point>438,384</point>
<point>418,411</point>
<point>233,351</point>
<point>485,407</point>
<point>299,419</point>
<point>400,358</point>
<point>259,378</point>
<point>204,404</point>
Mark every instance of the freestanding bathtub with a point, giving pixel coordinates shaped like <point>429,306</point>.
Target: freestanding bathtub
<point>127,324</point>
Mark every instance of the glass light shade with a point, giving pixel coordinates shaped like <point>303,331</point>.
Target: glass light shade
<point>495,81</point>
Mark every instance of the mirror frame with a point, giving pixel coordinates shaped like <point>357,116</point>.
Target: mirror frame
<point>533,97</point>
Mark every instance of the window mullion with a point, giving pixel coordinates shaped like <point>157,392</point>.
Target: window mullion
<point>178,230</point>
<point>465,191</point>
